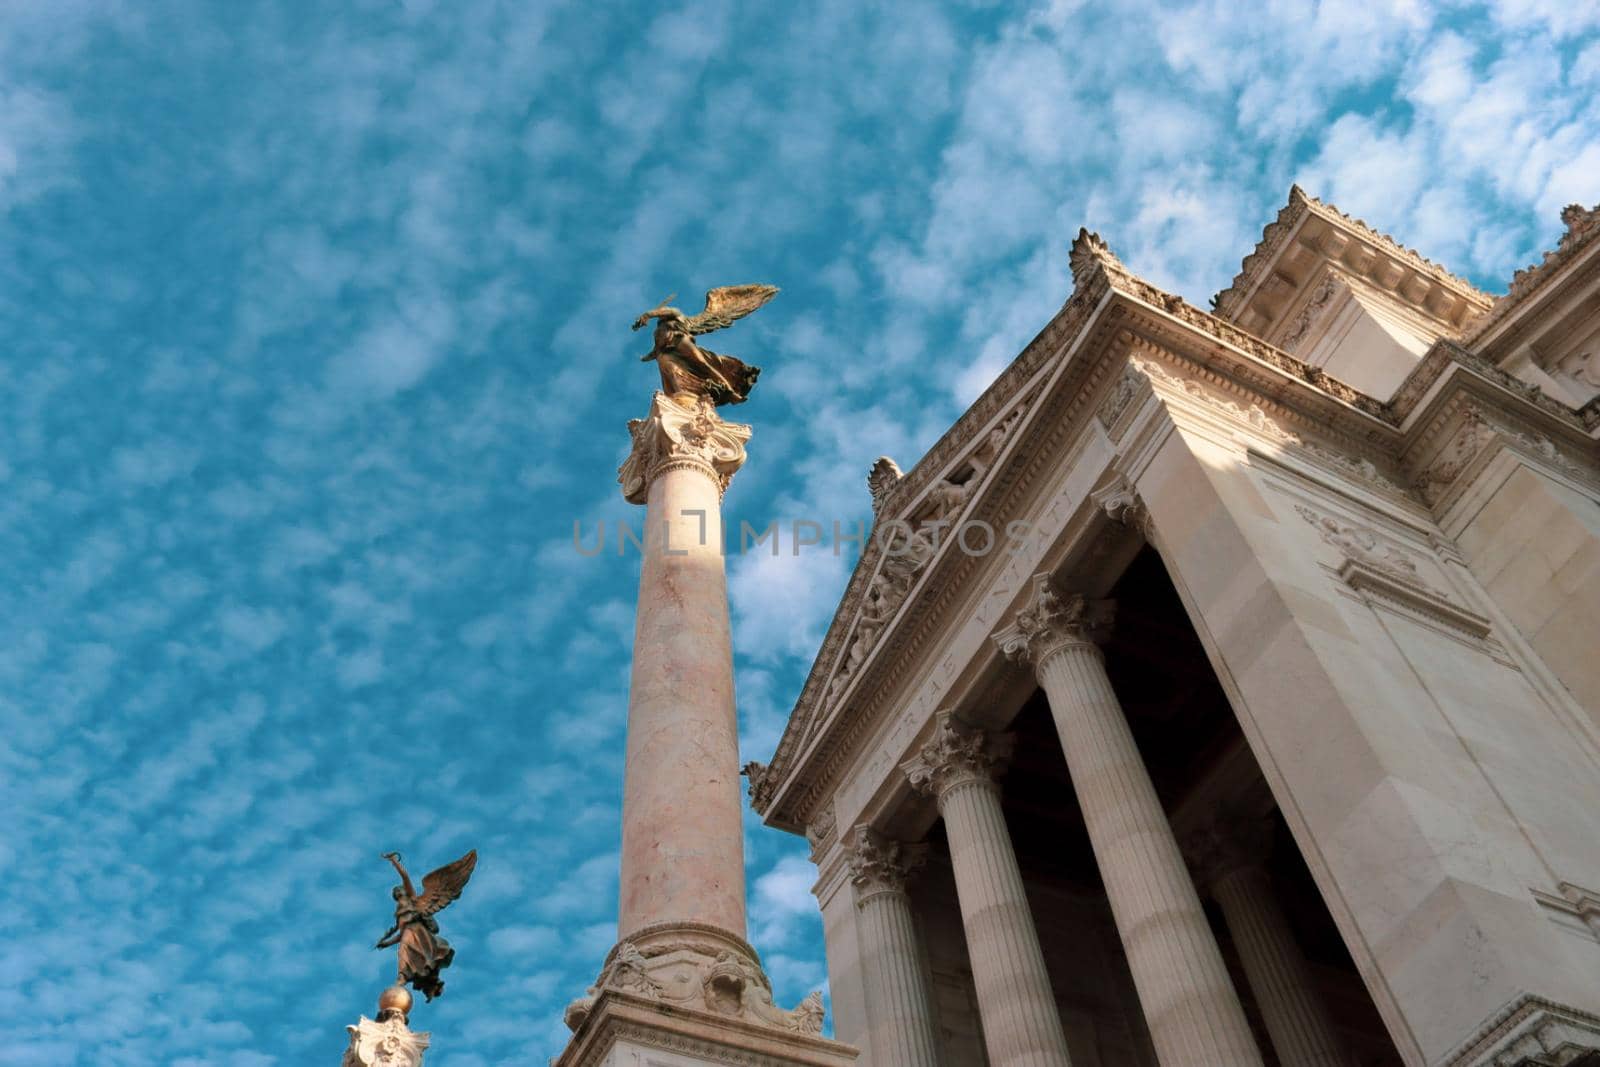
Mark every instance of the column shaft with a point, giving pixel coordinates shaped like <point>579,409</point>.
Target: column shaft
<point>682,837</point>
<point>1189,1002</point>
<point>898,1002</point>
<point>1302,1033</point>
<point>1021,1027</point>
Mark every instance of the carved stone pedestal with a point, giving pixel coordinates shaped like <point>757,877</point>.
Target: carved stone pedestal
<point>627,1030</point>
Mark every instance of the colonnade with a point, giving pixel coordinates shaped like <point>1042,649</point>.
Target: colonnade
<point>1190,1007</point>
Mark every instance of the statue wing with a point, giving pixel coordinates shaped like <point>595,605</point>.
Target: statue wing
<point>728,304</point>
<point>442,886</point>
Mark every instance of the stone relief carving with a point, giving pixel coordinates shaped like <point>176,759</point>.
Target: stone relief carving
<point>884,476</point>
<point>384,1044</point>
<point>910,546</point>
<point>1476,433</point>
<point>1050,619</point>
<point>1121,395</point>
<point>683,428</point>
<point>1320,298</point>
<point>820,828</point>
<point>693,974</point>
<point>1365,546</point>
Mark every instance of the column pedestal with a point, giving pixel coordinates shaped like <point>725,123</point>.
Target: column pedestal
<point>1189,1002</point>
<point>1021,1027</point>
<point>682,981</point>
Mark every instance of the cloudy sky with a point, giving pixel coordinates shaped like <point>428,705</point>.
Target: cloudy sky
<point>315,324</point>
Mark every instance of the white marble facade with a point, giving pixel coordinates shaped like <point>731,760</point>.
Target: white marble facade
<point>1370,496</point>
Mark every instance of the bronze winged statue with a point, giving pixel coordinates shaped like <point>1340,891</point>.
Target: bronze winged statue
<point>688,368</point>
<point>423,953</point>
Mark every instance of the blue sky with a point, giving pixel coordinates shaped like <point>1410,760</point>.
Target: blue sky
<point>315,348</point>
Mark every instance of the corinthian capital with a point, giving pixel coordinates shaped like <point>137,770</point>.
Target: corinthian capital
<point>1051,620</point>
<point>956,754</point>
<point>683,429</point>
<point>879,864</point>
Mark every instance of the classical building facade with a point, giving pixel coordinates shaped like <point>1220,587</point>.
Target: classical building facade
<point>1224,688</point>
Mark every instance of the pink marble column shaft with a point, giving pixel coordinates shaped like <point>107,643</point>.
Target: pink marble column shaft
<point>682,835</point>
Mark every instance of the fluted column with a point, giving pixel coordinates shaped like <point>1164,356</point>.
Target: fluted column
<point>899,1008</point>
<point>1189,1003</point>
<point>1230,861</point>
<point>1021,1027</point>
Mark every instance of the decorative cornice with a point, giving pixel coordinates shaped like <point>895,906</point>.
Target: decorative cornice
<point>957,755</point>
<point>881,865</point>
<point>1582,226</point>
<point>681,431</point>
<point>1531,1031</point>
<point>1230,301</point>
<point>1051,620</point>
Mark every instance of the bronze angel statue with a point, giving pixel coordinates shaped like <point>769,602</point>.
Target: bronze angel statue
<point>423,953</point>
<point>688,368</point>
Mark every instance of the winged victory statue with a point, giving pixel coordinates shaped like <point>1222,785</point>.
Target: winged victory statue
<point>423,953</point>
<point>688,368</point>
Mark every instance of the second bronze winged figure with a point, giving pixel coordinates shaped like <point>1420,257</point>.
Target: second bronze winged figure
<point>688,368</point>
<point>423,953</point>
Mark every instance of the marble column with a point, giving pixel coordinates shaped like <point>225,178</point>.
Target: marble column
<point>1230,860</point>
<point>899,1004</point>
<point>1189,1003</point>
<point>1021,1027</point>
<point>682,833</point>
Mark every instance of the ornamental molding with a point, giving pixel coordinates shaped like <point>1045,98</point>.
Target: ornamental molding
<point>1466,434</point>
<point>1379,573</point>
<point>1574,902</point>
<point>1366,546</point>
<point>957,755</point>
<point>1120,501</point>
<point>621,1019</point>
<point>681,431</point>
<point>389,1043</point>
<point>1253,272</point>
<point>821,830</point>
<point>879,864</point>
<point>1582,227</point>
<point>1050,620</point>
<point>1269,423</point>
<point>1531,1031</point>
<point>697,968</point>
<point>1331,285</point>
